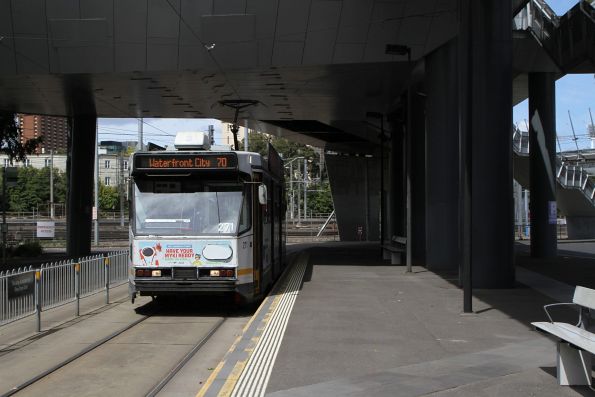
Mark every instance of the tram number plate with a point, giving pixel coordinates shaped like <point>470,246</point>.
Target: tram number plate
<point>185,273</point>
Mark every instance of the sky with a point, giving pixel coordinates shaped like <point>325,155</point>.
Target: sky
<point>574,94</point>
<point>159,131</point>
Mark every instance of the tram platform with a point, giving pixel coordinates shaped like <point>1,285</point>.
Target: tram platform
<point>361,327</point>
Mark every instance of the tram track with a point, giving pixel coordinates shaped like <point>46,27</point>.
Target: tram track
<point>173,372</point>
<point>123,332</point>
<point>72,358</point>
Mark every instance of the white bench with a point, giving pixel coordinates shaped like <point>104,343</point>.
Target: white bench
<point>575,343</point>
<point>394,250</point>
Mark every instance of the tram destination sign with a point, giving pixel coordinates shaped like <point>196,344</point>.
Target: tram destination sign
<point>185,161</point>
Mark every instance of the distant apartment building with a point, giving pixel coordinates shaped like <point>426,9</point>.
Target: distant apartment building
<point>227,135</point>
<point>54,131</point>
<point>115,147</point>
<point>36,161</point>
<point>113,168</point>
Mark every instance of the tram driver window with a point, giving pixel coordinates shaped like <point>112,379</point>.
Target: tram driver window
<point>190,207</point>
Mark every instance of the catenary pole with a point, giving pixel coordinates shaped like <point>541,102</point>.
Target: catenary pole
<point>52,184</point>
<point>96,189</point>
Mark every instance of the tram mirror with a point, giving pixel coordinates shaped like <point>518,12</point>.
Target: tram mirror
<point>262,194</point>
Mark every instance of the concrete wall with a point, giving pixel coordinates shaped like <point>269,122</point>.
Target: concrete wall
<point>580,227</point>
<point>442,172</point>
<point>355,186</point>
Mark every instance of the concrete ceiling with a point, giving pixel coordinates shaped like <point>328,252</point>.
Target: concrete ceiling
<point>312,65</point>
<point>307,63</point>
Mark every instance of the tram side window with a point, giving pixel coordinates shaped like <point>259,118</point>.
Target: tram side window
<point>246,212</point>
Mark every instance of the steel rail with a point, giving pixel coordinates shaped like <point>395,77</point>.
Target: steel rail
<point>74,357</point>
<point>187,357</point>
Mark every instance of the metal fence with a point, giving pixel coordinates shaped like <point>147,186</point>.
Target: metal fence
<point>568,174</point>
<point>17,294</point>
<point>28,291</point>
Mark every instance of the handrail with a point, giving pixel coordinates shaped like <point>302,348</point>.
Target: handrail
<point>567,175</point>
<point>553,33</point>
<point>590,11</point>
<point>518,138</point>
<point>547,11</point>
<point>328,220</point>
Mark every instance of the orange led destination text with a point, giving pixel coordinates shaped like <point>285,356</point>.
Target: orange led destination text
<point>197,162</point>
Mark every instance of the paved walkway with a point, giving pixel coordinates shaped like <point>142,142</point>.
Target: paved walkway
<point>357,326</point>
<point>360,327</point>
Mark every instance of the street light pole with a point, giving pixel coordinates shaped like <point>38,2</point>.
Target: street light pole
<point>305,187</point>
<point>299,207</point>
<point>96,191</point>
<point>51,184</point>
<point>121,188</point>
<point>292,193</point>
<point>291,188</point>
<point>4,225</point>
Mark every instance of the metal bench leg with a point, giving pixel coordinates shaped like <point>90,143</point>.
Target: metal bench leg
<point>385,254</point>
<point>574,366</point>
<point>395,258</point>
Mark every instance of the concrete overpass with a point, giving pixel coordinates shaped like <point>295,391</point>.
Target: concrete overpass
<point>439,75</point>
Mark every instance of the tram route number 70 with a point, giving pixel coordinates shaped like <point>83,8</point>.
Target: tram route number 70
<point>221,162</point>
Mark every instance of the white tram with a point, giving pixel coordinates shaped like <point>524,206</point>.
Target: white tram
<point>205,221</point>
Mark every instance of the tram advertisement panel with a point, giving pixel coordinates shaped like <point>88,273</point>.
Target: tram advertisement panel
<point>182,253</point>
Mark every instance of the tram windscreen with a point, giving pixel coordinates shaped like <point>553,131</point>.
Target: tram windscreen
<point>190,207</point>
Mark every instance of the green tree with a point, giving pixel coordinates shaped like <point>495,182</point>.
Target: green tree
<point>258,142</point>
<point>10,138</point>
<point>109,198</point>
<point>32,190</point>
<point>320,200</point>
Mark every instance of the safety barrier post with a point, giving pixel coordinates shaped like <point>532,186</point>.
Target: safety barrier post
<point>38,300</point>
<point>106,267</point>
<point>77,289</point>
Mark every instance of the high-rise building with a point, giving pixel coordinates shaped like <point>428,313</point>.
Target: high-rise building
<point>54,131</point>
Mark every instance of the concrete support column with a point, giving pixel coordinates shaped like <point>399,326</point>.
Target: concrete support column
<point>542,157</point>
<point>485,66</point>
<point>417,175</point>
<point>355,186</point>
<point>396,176</point>
<point>80,191</point>
<point>442,150</point>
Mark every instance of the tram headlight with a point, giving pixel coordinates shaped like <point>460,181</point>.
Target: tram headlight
<point>148,273</point>
<point>221,272</point>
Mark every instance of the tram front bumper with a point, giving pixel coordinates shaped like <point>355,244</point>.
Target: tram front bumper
<point>191,286</point>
